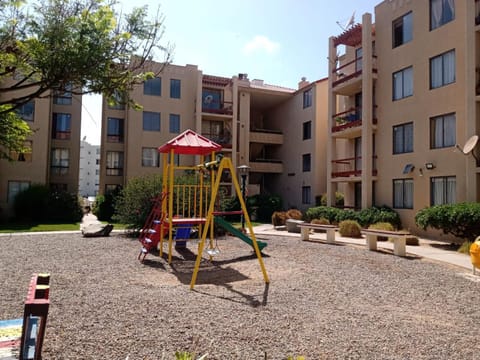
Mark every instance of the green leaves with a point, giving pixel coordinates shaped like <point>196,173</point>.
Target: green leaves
<point>461,220</point>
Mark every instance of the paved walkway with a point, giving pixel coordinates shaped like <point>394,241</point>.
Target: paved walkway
<point>433,250</point>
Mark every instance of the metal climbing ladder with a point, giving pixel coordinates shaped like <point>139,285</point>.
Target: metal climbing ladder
<point>150,234</point>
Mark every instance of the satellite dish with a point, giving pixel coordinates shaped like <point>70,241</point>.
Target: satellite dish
<point>208,99</point>
<point>470,144</point>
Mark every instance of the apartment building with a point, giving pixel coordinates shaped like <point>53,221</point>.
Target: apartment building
<point>402,93</point>
<point>89,169</point>
<point>249,118</point>
<point>55,148</point>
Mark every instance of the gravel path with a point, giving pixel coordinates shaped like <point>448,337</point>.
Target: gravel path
<point>323,302</point>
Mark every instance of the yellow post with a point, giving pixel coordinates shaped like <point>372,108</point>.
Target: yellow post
<point>164,202</point>
<point>170,204</point>
<point>226,163</point>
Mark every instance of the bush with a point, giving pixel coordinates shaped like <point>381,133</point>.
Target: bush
<point>350,228</point>
<point>264,206</point>
<point>329,213</point>
<point>134,203</point>
<point>339,200</point>
<point>279,218</point>
<point>460,220</point>
<point>373,215</point>
<point>40,204</point>
<point>321,221</point>
<point>465,247</point>
<point>294,214</point>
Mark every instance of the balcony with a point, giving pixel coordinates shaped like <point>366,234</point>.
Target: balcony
<point>347,77</point>
<point>264,136</point>
<point>273,166</point>
<point>349,168</point>
<point>222,139</point>
<point>348,123</point>
<point>217,107</point>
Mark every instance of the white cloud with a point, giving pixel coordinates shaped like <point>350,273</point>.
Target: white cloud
<point>260,43</point>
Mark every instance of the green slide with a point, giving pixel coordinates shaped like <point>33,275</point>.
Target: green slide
<point>235,232</point>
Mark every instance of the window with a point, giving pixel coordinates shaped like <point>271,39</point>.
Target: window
<point>175,86</point>
<point>403,83</point>
<point>115,163</point>
<point>442,131</point>
<point>358,59</point>
<point>117,101</point>
<point>60,161</point>
<point>442,69</point>
<point>211,100</point>
<point>151,121</point>
<point>63,97</point>
<point>58,187</point>
<point>443,190</point>
<point>174,124</point>
<point>403,138</point>
<point>307,98</point>
<point>307,130</point>
<point>153,86</point>
<point>403,194</point>
<point>306,162</point>
<point>14,187</point>
<point>25,155</point>
<point>150,157</point>
<point>441,12</point>
<point>26,111</point>
<point>402,30</point>
<point>115,130</point>
<point>112,188</point>
<point>306,195</point>
<point>61,126</point>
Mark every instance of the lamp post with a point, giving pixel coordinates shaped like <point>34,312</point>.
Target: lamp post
<point>243,170</point>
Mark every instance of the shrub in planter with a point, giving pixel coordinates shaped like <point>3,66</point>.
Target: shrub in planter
<point>294,214</point>
<point>382,226</point>
<point>278,218</point>
<point>350,228</point>
<point>321,221</point>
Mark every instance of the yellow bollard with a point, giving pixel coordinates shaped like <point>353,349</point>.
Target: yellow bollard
<point>475,254</point>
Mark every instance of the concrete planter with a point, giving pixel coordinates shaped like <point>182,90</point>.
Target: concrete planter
<point>292,225</point>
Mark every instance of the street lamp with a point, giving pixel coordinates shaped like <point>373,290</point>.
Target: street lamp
<point>243,170</point>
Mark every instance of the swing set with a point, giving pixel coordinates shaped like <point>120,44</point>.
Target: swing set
<point>180,207</point>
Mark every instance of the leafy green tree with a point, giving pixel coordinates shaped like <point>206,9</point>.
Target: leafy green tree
<point>74,46</point>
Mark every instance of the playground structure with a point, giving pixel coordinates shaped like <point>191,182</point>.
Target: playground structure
<point>180,207</point>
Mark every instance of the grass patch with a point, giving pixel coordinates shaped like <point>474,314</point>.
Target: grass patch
<point>29,227</point>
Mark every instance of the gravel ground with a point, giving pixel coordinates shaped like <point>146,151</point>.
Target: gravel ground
<point>323,301</point>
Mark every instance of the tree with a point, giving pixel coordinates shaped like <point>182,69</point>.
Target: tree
<point>73,46</point>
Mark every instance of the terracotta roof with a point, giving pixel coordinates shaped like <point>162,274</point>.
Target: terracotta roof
<point>190,143</point>
<point>350,37</point>
<point>216,80</point>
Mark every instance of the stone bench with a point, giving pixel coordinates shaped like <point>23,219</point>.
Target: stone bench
<point>399,239</point>
<point>306,227</point>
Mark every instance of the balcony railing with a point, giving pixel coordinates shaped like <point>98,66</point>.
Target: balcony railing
<point>349,167</point>
<point>218,107</point>
<point>350,70</point>
<point>263,165</point>
<point>61,135</point>
<point>266,136</point>
<point>347,119</point>
<point>222,139</point>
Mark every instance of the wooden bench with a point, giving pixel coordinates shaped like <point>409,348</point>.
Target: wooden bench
<point>306,227</point>
<point>399,239</point>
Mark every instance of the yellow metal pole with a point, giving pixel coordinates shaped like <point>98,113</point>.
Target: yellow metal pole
<point>170,204</point>
<point>165,199</point>
<point>247,219</point>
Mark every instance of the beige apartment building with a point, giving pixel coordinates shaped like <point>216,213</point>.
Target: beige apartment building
<point>403,92</point>
<point>55,149</point>
<point>275,131</point>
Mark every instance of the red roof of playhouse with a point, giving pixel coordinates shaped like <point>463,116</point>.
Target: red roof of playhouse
<point>190,143</point>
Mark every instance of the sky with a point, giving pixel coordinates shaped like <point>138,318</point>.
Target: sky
<point>278,41</point>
